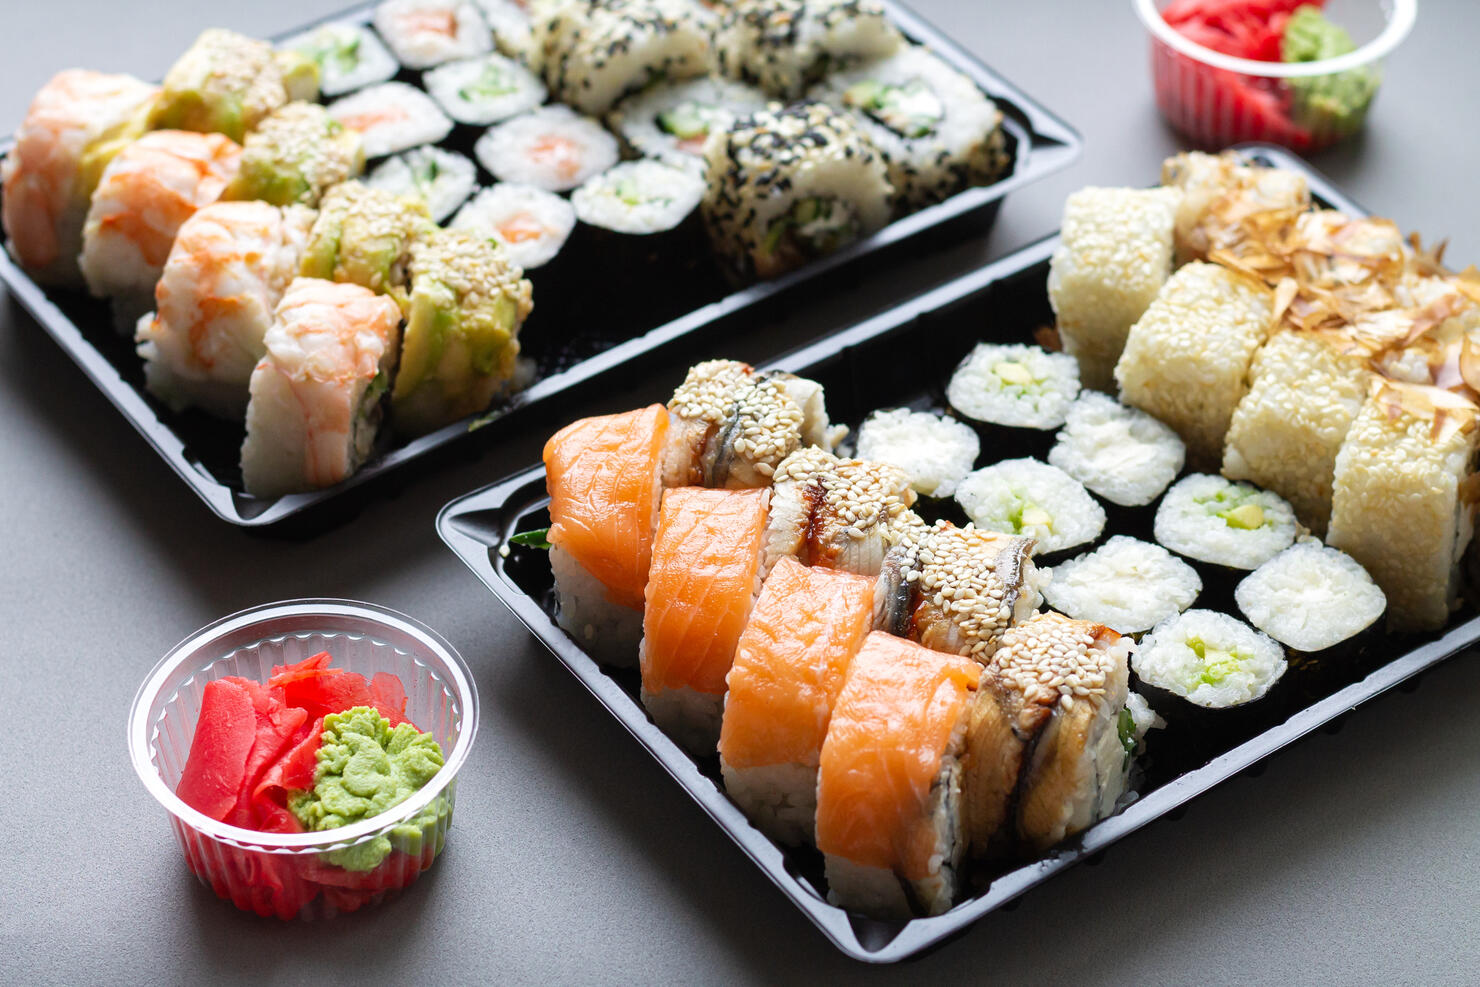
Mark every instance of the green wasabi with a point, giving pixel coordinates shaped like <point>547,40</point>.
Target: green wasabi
<point>1325,103</point>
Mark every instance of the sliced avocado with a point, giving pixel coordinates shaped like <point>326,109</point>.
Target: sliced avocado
<point>1014,373</point>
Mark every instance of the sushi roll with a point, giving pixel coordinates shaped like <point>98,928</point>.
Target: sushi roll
<point>641,198</point>
<point>937,132</point>
<point>349,56</point>
<point>151,187</point>
<point>1119,453</point>
<point>1114,255</point>
<point>511,25</point>
<point>1047,753</point>
<point>294,155</point>
<point>226,83</point>
<point>1311,598</point>
<point>316,393</point>
<point>784,46</point>
<point>805,628</point>
<point>228,269</point>
<point>605,479</point>
<point>424,33</point>
<point>462,327</point>
<point>1014,384</point>
<point>364,235</point>
<point>594,52</point>
<point>708,556</point>
<point>1026,497</point>
<point>1219,191</point>
<point>528,222</point>
<point>1224,522</point>
<point>671,121</point>
<point>441,179</point>
<point>1209,659</point>
<point>391,117</point>
<point>1126,584</point>
<point>553,148</point>
<point>1186,360</point>
<point>889,813</point>
<point>1399,503</point>
<point>936,452</point>
<point>790,185</point>
<point>74,127</point>
<point>485,90</point>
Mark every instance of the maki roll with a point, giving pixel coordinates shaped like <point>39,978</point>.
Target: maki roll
<point>531,224</point>
<point>441,179</point>
<point>228,269</point>
<point>1122,454</point>
<point>316,393</point>
<point>511,25</point>
<point>72,130</point>
<point>391,117</point>
<point>671,121</point>
<point>936,452</point>
<point>348,56</point>
<point>1224,522</point>
<point>1311,598</point>
<point>789,185</point>
<point>784,46</point>
<point>462,325</point>
<point>226,83</point>
<point>1126,584</point>
<point>1026,497</point>
<point>553,148</point>
<point>1209,659</point>
<point>1114,254</point>
<point>937,132</point>
<point>364,236</point>
<point>423,33</point>
<point>1014,384</point>
<point>485,90</point>
<point>889,780</point>
<point>294,155</point>
<point>644,198</point>
<point>1219,191</point>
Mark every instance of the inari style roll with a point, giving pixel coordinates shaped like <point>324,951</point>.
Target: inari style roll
<point>936,452</point>
<point>226,83</point>
<point>605,479</point>
<point>889,796</point>
<point>1114,254</point>
<point>640,198</point>
<point>1126,584</point>
<point>789,185</point>
<point>1209,659</point>
<point>1027,497</point>
<point>1310,598</point>
<point>316,393</point>
<point>441,179</point>
<point>553,148</point>
<point>1219,191</point>
<point>423,33</point>
<point>485,90</point>
<point>348,56</point>
<point>364,236</point>
<point>1186,360</point>
<point>1014,384</point>
<point>806,626</point>
<point>72,130</point>
<point>671,121</point>
<point>215,301</point>
<point>1119,453</point>
<point>294,155</point>
<point>1223,522</point>
<point>462,327</point>
<point>391,117</point>
<point>784,46</point>
<point>531,224</point>
<point>708,556</point>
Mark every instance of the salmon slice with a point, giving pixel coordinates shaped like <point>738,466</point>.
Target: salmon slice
<point>891,726</point>
<point>604,479</point>
<point>790,663</point>
<point>706,557</point>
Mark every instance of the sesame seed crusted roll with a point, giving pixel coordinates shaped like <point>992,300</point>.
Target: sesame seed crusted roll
<point>224,83</point>
<point>363,235</point>
<point>783,46</point>
<point>296,153</point>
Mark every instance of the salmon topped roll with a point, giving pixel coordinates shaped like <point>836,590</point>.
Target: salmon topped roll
<point>705,573</point>
<point>605,477</point>
<point>807,625</point>
<point>889,783</point>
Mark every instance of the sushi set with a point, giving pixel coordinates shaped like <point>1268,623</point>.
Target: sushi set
<point>510,305</point>
<point>998,676</point>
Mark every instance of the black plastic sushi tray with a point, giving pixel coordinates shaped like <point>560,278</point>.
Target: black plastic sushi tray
<point>903,358</point>
<point>593,316</point>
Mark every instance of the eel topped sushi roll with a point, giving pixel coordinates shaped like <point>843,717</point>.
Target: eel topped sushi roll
<point>530,223</point>
<point>227,83</point>
<point>935,451</point>
<point>1223,522</point>
<point>784,46</point>
<point>73,128</point>
<point>424,33</point>
<point>294,155</point>
<point>1026,497</point>
<point>391,117</point>
<point>364,235</point>
<point>1117,452</point>
<point>1126,584</point>
<point>348,56</point>
<point>552,147</point>
<point>441,179</point>
<point>671,121</point>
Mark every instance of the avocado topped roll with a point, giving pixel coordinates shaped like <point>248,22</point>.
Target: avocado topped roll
<point>467,304</point>
<point>227,83</point>
<point>296,153</point>
<point>364,235</point>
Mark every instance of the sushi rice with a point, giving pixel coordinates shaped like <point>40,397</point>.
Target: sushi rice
<point>553,148</point>
<point>484,90</point>
<point>391,117</point>
<point>1014,384</point>
<point>441,179</point>
<point>1126,584</point>
<point>1119,453</point>
<point>672,121</point>
<point>1027,497</point>
<point>937,452</point>
<point>349,56</point>
<point>1210,659</point>
<point>1310,597</point>
<point>530,223</point>
<point>639,197</point>
<point>1224,522</point>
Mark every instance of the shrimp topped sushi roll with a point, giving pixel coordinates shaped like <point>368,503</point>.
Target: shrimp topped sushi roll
<point>316,393</point>
<point>889,813</point>
<point>783,46</point>
<point>294,155</point>
<point>227,83</point>
<point>363,235</point>
<point>806,626</point>
<point>226,273</point>
<point>74,127</point>
<point>467,304</point>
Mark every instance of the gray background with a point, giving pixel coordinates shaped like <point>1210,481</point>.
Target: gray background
<point>574,858</point>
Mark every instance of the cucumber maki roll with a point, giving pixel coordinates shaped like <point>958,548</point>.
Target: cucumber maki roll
<point>484,90</point>
<point>673,120</point>
<point>1026,497</point>
<point>553,148</point>
<point>1119,453</point>
<point>639,197</point>
<point>1209,659</point>
<point>295,155</point>
<point>364,235</point>
<point>424,33</point>
<point>531,224</point>
<point>1126,584</point>
<point>784,46</point>
<point>225,83</point>
<point>935,451</point>
<point>1015,384</point>
<point>1223,522</point>
<point>1311,598</point>
<point>441,179</point>
<point>391,117</point>
<point>348,56</point>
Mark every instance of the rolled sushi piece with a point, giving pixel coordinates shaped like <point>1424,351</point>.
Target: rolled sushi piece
<point>937,132</point>
<point>1014,384</point>
<point>1114,255</point>
<point>708,555</point>
<point>316,393</point>
<point>1209,659</point>
<point>147,191</point>
<point>1219,191</point>
<point>1026,497</point>
<point>784,46</point>
<point>553,148</point>
<point>441,179</point>
<point>462,330</point>
<point>511,25</point>
<point>1311,598</point>
<point>228,269</point>
<point>1047,749</point>
<point>605,480</point>
<point>671,121</point>
<point>424,33</point>
<point>485,90</point>
<point>348,56</point>
<point>1126,584</point>
<point>226,83</point>
<point>889,812</point>
<point>294,155</point>
<point>391,117</point>
<point>805,628</point>
<point>642,198</point>
<point>790,185</point>
<point>1121,454</point>
<point>528,222</point>
<point>1186,360</point>
<point>364,235</point>
<point>1400,501</point>
<point>73,128</point>
<point>1224,522</point>
<point>936,452</point>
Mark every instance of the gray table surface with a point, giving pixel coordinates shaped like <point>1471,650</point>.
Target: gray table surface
<point>574,858</point>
